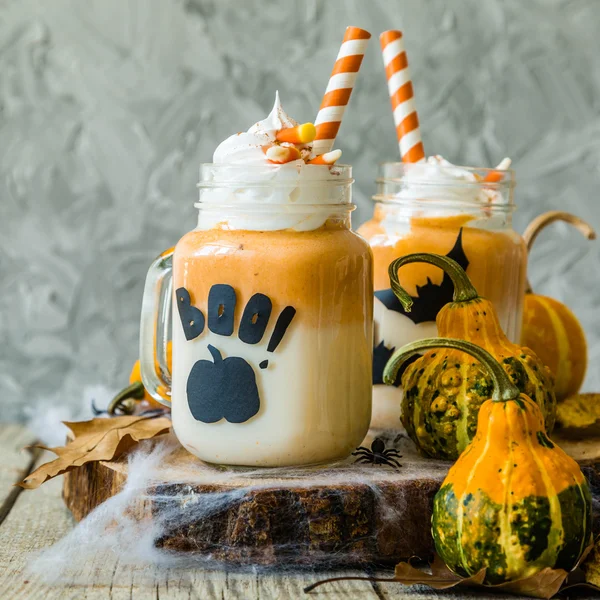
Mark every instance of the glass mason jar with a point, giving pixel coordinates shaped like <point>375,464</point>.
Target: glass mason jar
<point>420,210</point>
<point>272,328</point>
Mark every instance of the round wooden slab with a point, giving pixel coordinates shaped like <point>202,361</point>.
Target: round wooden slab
<point>347,512</point>
<point>342,514</point>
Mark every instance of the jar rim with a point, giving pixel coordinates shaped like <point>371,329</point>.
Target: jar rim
<point>269,207</point>
<point>410,205</point>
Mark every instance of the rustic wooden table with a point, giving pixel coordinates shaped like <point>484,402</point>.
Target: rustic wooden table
<point>32,520</point>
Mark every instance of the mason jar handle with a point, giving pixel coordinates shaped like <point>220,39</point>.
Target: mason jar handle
<point>154,328</point>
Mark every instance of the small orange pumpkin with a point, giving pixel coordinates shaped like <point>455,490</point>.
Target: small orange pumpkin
<point>550,329</point>
<point>136,390</point>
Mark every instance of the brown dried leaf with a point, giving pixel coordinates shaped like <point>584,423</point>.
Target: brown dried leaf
<point>95,440</point>
<point>578,414</point>
<point>441,578</point>
<point>544,584</point>
<point>440,569</point>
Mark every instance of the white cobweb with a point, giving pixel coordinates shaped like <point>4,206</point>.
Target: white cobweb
<point>234,500</point>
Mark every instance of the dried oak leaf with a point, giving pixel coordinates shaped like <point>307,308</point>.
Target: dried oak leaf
<point>544,584</point>
<point>95,440</point>
<point>579,413</point>
<point>441,577</point>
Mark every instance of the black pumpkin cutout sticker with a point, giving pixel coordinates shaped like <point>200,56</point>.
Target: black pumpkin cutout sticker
<point>226,388</point>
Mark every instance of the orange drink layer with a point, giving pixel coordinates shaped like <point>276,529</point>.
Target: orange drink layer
<point>496,260</point>
<point>330,261</point>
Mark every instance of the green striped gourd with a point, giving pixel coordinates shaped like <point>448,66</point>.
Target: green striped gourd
<point>442,390</point>
<point>514,502</point>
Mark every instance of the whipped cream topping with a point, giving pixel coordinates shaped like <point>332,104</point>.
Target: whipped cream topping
<point>237,183</point>
<point>438,181</point>
<point>246,148</point>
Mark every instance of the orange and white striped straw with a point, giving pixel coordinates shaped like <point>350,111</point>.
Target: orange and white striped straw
<point>402,97</point>
<point>339,88</point>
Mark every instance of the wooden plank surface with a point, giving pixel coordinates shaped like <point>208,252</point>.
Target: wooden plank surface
<point>17,461</point>
<point>37,519</point>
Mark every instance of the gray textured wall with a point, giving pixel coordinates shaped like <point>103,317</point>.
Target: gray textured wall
<point>108,106</point>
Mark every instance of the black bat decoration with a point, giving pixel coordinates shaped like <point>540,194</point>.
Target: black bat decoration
<point>381,355</point>
<point>430,297</point>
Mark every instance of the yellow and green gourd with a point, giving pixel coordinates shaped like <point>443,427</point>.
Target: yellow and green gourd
<point>514,502</point>
<point>442,390</point>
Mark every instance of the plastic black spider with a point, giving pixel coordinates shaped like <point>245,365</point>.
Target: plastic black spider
<point>378,455</point>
